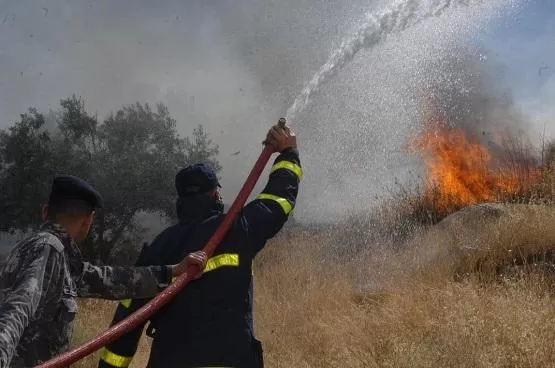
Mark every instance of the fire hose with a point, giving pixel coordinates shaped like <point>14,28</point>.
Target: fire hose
<point>141,315</point>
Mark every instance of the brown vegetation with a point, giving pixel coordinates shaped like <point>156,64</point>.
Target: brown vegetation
<point>473,290</point>
<point>313,313</point>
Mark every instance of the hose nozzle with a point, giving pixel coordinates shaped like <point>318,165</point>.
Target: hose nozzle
<point>281,123</point>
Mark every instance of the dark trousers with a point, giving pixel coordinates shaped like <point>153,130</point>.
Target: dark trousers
<point>254,360</point>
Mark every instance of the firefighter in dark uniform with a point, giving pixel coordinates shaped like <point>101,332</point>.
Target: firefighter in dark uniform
<point>44,274</point>
<point>210,323</point>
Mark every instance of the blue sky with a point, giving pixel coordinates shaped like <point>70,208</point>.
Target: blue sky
<point>524,44</point>
<point>523,40</point>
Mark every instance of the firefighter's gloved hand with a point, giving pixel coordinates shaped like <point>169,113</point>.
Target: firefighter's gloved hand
<point>281,138</point>
<point>197,259</point>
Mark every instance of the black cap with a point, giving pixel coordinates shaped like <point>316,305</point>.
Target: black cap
<point>71,187</point>
<point>196,179</point>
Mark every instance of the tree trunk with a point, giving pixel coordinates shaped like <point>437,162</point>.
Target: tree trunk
<point>105,247</point>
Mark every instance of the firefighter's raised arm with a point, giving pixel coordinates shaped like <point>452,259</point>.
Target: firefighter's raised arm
<point>265,216</point>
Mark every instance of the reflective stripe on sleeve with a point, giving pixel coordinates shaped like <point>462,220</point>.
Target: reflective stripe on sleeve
<point>284,203</point>
<point>226,259</point>
<point>221,260</point>
<point>293,167</point>
<point>116,360</point>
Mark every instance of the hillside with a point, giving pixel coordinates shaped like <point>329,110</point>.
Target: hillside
<point>456,271</point>
<point>308,312</point>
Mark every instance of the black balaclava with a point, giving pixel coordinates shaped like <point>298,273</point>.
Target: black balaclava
<point>195,185</point>
<point>191,209</point>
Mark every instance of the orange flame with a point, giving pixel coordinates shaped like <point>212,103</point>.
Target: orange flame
<point>461,171</point>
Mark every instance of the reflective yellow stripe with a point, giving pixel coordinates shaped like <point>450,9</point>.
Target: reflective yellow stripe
<point>284,203</point>
<point>293,167</point>
<point>226,259</point>
<point>116,360</point>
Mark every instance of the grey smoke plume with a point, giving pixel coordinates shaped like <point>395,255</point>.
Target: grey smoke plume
<point>236,67</point>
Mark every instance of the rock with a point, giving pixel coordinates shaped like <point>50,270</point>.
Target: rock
<point>485,236</point>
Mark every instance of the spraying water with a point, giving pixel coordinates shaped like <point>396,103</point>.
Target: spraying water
<point>360,123</point>
<point>377,26</point>
<point>242,69</point>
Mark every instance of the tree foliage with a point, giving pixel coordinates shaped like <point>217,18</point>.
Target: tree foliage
<point>131,158</point>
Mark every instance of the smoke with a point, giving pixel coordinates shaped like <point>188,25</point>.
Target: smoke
<point>366,114</point>
<point>117,53</point>
<point>236,67</point>
<point>377,26</point>
<point>465,92</point>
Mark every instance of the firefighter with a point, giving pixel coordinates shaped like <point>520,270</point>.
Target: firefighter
<point>44,274</point>
<point>210,322</point>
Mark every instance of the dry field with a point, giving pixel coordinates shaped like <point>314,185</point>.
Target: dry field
<point>406,310</point>
<point>415,292</point>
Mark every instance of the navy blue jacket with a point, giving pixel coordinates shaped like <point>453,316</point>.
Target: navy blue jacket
<point>210,322</point>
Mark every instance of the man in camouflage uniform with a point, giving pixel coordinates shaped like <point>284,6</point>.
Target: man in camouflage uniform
<point>45,273</point>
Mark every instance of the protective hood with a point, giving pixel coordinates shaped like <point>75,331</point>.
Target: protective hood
<point>192,209</point>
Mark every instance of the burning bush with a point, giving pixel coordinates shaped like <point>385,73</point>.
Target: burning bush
<point>461,170</point>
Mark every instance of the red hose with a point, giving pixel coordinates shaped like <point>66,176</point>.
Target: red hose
<point>141,315</point>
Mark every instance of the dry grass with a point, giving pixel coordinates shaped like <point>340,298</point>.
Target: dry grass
<point>309,312</point>
<point>385,289</point>
<point>95,316</point>
<point>404,305</point>
<point>481,238</point>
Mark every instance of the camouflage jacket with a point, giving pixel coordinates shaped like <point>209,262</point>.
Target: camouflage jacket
<point>39,284</point>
